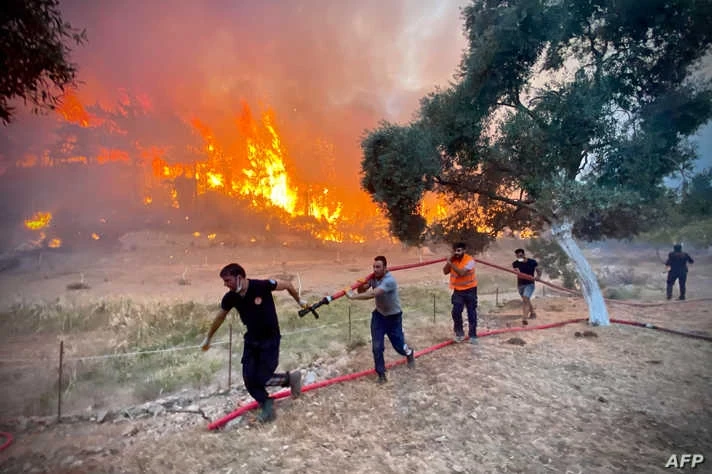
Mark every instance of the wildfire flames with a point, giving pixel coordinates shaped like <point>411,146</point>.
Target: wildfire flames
<point>259,171</point>
<point>38,221</point>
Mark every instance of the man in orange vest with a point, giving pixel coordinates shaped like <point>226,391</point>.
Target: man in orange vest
<point>461,268</point>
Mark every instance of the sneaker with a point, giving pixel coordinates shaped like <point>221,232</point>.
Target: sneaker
<point>295,382</point>
<point>473,340</point>
<point>682,298</point>
<point>411,359</point>
<point>266,413</point>
<point>459,338</point>
<point>381,379</point>
<point>524,322</point>
<point>532,315</point>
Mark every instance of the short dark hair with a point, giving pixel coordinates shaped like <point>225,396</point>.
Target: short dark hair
<point>518,251</point>
<point>677,247</point>
<point>232,269</point>
<point>459,245</point>
<point>381,258</point>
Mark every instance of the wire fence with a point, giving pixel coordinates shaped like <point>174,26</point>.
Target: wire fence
<point>71,383</point>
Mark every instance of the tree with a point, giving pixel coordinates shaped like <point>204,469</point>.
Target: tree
<point>34,55</point>
<point>564,115</point>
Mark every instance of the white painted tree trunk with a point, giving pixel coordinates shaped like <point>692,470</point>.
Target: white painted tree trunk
<point>597,311</point>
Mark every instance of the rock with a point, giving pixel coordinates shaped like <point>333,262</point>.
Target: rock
<point>515,341</point>
<point>132,431</point>
<point>156,410</point>
<point>101,416</point>
<point>309,378</point>
<point>589,334</point>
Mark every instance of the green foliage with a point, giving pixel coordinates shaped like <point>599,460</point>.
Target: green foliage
<point>562,111</point>
<point>396,164</point>
<point>34,54</point>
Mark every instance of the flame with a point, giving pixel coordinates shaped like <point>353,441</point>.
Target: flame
<point>95,236</point>
<point>196,234</point>
<point>212,236</point>
<point>72,110</point>
<point>256,167</point>
<point>433,207</point>
<point>39,220</point>
<point>54,243</point>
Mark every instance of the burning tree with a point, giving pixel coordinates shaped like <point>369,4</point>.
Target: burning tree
<point>34,54</point>
<point>565,115</point>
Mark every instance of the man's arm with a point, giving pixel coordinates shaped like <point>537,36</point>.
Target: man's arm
<point>365,296</point>
<point>459,270</point>
<point>217,322</point>
<point>363,287</point>
<point>286,285</point>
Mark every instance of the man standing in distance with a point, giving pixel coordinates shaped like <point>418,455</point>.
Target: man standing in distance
<point>387,318</point>
<point>677,270</point>
<point>253,301</point>
<point>463,282</point>
<point>525,286</point>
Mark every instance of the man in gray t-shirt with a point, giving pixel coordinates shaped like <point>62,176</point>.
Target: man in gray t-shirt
<point>387,318</point>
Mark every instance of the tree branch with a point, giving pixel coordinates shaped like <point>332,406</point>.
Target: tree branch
<point>517,203</point>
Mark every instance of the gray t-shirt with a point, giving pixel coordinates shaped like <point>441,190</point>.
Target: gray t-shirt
<point>388,303</point>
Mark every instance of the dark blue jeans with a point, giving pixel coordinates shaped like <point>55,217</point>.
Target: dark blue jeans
<point>393,327</point>
<point>259,361</point>
<point>682,278</point>
<point>460,300</point>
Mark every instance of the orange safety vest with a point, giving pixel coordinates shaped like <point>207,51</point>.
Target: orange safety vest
<point>466,281</point>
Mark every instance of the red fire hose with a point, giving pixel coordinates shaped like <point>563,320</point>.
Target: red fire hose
<point>8,440</point>
<point>284,393</point>
<point>339,294</point>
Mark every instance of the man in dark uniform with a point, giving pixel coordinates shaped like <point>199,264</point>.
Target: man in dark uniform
<point>677,270</point>
<point>253,301</point>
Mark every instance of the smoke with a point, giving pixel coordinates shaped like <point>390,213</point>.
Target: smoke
<point>329,70</point>
<point>152,70</point>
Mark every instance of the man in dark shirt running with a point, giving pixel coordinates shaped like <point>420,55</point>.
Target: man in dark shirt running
<point>677,270</point>
<point>253,301</point>
<point>525,286</point>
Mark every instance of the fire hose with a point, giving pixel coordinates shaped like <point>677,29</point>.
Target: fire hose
<point>339,294</point>
<point>8,440</point>
<point>328,299</point>
<point>344,378</point>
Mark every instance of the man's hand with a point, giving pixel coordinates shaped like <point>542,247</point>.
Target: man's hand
<point>349,294</point>
<point>205,345</point>
<point>303,304</point>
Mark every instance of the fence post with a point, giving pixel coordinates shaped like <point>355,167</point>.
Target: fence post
<point>229,361</point>
<point>59,381</point>
<point>433,308</point>
<point>349,323</point>
<point>496,296</point>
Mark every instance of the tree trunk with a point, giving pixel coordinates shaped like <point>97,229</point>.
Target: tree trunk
<point>597,312</point>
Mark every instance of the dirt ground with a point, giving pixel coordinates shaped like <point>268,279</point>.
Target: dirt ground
<point>621,399</point>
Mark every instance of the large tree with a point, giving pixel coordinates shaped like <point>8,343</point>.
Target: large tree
<point>564,115</point>
<point>34,55</point>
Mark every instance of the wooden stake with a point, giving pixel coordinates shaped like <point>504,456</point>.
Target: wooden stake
<point>59,381</point>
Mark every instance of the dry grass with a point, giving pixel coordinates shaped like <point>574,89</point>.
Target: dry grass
<point>623,401</point>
